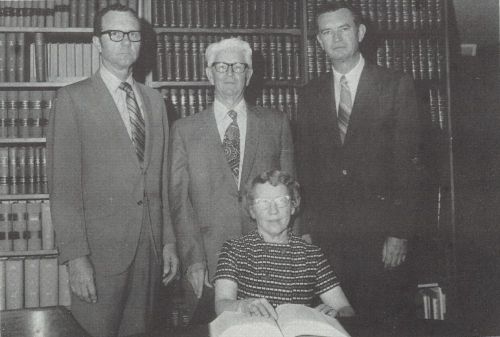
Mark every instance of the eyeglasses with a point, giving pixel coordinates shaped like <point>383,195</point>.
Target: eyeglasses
<point>265,204</point>
<point>223,67</point>
<point>118,35</point>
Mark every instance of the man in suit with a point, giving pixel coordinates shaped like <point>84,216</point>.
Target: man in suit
<point>108,144</point>
<point>213,155</point>
<point>357,141</point>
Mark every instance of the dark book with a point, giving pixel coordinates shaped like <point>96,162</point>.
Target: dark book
<point>415,63</point>
<point>232,17</point>
<point>65,13</point>
<point>21,170</point>
<point>5,224</point>
<point>58,8</point>
<point>189,13</point>
<point>12,181</point>
<point>191,102</point>
<point>4,170</point>
<point>47,98</point>
<point>266,99</point>
<point>180,14</point>
<point>35,114</point>
<point>198,14</point>
<point>178,58</point>
<point>34,225</point>
<point>296,58</point>
<point>238,13</point>
<point>169,13</point>
<point>201,100</point>
<point>296,17</point>
<point>221,6</point>
<point>169,58</point>
<point>159,75</point>
<point>193,63</point>
<point>398,15</point>
<point>12,114</point>
<point>431,59</point>
<point>36,165</point>
<point>311,59</point>
<point>280,58</point>
<point>422,58</point>
<point>433,106</point>
<point>74,12</point>
<point>14,285</point>
<point>23,114</point>
<point>186,58</point>
<point>3,114</point>
<point>156,13</point>
<point>442,108</point>
<point>441,60</point>
<point>266,71</point>
<point>19,226</point>
<point>320,59</point>
<point>3,60</point>
<point>50,14</point>
<point>2,13</point>
<point>44,183</point>
<point>28,12</point>
<point>90,13</point>
<point>288,59</point>
<point>183,106</point>
<point>201,56</point>
<point>245,14</point>
<point>11,57</point>
<point>381,16</point>
<point>40,57</point>
<point>424,15</point>
<point>20,57</point>
<point>31,282</point>
<point>406,14</point>
<point>8,13</point>
<point>273,99</point>
<point>39,12</point>
<point>82,13</point>
<point>30,170</point>
<point>431,14</point>
<point>281,100</point>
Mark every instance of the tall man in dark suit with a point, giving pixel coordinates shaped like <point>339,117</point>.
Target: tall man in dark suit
<point>213,155</point>
<point>356,146</point>
<point>108,144</point>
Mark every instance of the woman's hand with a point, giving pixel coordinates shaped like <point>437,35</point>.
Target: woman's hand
<point>257,307</point>
<point>327,310</point>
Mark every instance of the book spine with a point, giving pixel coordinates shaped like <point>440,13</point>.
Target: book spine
<point>21,170</point>
<point>50,14</point>
<point>44,184</point>
<point>34,225</point>
<point>4,170</point>
<point>47,99</point>
<point>90,14</point>
<point>11,57</point>
<point>47,227</point>
<point>178,58</point>
<point>14,290</point>
<point>19,226</point>
<point>266,71</point>
<point>23,113</point>
<point>5,227</point>
<point>189,13</point>
<point>296,59</point>
<point>156,11</point>
<point>201,58</point>
<point>3,114</point>
<point>82,13</point>
<point>184,107</point>
<point>31,283</point>
<point>180,14</point>
<point>221,5</point>
<point>186,58</point>
<point>30,170</point>
<point>49,279</point>
<point>74,13</point>
<point>193,59</point>
<point>12,114</point>
<point>3,60</point>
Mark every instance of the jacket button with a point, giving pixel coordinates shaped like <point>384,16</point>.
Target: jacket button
<point>139,203</point>
<point>344,172</point>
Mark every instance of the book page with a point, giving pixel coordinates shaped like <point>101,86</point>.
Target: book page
<point>232,324</point>
<point>299,320</point>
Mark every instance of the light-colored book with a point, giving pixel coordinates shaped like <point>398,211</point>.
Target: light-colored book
<point>294,320</point>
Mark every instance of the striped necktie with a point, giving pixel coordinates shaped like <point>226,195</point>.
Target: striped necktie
<point>231,144</point>
<point>345,107</point>
<point>137,128</point>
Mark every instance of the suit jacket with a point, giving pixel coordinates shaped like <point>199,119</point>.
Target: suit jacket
<point>365,186</point>
<point>100,195</point>
<point>205,200</point>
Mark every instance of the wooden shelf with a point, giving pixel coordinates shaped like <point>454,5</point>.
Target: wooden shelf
<point>57,30</point>
<point>27,253</point>
<point>267,83</point>
<point>58,84</point>
<point>22,141</point>
<point>14,197</point>
<point>232,31</point>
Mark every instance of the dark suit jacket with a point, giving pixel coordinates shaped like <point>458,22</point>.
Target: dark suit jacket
<point>367,185</point>
<point>99,193</point>
<point>205,201</point>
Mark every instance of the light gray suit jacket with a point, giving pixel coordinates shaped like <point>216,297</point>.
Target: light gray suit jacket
<point>205,200</point>
<point>100,195</point>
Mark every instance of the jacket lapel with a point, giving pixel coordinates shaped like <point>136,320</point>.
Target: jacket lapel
<point>251,143</point>
<point>148,120</point>
<point>366,95</point>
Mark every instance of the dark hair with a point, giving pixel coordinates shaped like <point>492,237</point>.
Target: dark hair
<point>337,5</point>
<point>274,177</point>
<point>118,7</point>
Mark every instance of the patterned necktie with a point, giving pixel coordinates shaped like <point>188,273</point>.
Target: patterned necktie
<point>137,128</point>
<point>231,145</point>
<point>345,107</point>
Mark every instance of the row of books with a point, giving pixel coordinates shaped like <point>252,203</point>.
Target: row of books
<point>226,13</point>
<point>188,101</point>
<point>388,15</point>
<point>54,13</point>
<point>24,114</point>
<point>431,302</point>
<point>12,57</point>
<point>26,226</point>
<point>32,282</point>
<point>182,57</point>
<point>23,170</point>
<point>424,59</point>
<point>63,61</point>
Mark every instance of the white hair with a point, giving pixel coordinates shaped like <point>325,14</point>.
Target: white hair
<point>232,43</point>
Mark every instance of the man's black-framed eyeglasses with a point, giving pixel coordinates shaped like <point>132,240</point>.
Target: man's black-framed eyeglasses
<point>223,67</point>
<point>118,35</point>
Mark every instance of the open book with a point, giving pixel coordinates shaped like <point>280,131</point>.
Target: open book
<point>293,320</point>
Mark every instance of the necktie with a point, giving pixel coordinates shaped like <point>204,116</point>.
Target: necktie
<point>137,128</point>
<point>231,144</point>
<point>345,107</point>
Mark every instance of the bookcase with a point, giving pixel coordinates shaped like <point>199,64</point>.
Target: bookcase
<point>47,44</point>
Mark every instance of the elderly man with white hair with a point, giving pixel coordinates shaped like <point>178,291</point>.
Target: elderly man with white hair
<point>214,153</point>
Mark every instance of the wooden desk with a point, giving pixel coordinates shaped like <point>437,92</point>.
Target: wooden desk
<point>40,322</point>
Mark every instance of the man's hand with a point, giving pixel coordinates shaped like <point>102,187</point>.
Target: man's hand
<point>197,275</point>
<point>170,263</point>
<point>81,279</point>
<point>394,252</point>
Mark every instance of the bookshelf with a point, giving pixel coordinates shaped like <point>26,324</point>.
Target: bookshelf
<point>409,35</point>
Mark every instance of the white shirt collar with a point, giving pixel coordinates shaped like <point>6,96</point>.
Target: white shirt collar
<point>220,110</point>
<point>112,82</point>
<point>352,76</point>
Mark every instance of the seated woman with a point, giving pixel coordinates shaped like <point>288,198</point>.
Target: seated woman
<point>272,265</point>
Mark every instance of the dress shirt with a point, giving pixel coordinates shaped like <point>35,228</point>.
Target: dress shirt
<point>352,78</point>
<point>223,120</point>
<point>120,96</point>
